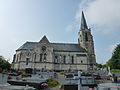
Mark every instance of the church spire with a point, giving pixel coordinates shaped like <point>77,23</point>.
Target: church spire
<point>83,22</point>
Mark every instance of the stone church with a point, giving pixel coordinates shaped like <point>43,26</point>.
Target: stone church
<point>45,55</point>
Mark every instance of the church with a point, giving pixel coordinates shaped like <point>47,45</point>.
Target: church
<point>45,55</point>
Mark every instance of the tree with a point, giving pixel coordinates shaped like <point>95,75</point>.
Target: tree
<point>114,62</point>
<point>4,64</point>
<point>98,65</point>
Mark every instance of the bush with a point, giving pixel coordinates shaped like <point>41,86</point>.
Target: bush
<point>115,70</point>
<point>62,73</point>
<point>52,83</point>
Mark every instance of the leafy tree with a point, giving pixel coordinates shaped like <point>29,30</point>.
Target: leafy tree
<point>4,64</point>
<point>98,65</point>
<point>104,65</point>
<point>114,62</point>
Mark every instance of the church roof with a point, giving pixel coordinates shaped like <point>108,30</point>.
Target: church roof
<point>28,46</point>
<point>67,47</point>
<point>60,47</point>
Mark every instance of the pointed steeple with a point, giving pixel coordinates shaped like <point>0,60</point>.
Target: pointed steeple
<point>83,22</point>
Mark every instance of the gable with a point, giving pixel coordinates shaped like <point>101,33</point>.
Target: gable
<point>44,40</point>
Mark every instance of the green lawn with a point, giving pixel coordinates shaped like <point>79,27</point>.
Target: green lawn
<point>115,70</point>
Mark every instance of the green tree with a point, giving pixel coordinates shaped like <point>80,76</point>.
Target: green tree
<point>98,65</point>
<point>114,62</point>
<point>4,64</point>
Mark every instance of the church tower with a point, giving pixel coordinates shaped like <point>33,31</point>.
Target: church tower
<point>85,40</point>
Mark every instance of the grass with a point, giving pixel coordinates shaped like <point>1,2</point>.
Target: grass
<point>52,83</point>
<point>62,73</point>
<point>115,70</point>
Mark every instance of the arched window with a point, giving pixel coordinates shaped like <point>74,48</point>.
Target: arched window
<point>41,57</point>
<point>20,56</point>
<point>64,59</point>
<point>81,61</point>
<point>43,48</point>
<point>72,60</point>
<point>86,37</point>
<point>45,56</point>
<point>34,57</point>
<point>14,57</point>
<point>27,61</point>
<point>56,59</point>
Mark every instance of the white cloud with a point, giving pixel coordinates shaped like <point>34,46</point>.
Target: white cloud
<point>104,14</point>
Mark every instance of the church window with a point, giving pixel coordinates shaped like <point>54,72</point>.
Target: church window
<point>86,37</point>
<point>56,59</point>
<point>43,48</point>
<point>72,60</point>
<point>20,56</point>
<point>27,60</point>
<point>41,57</point>
<point>64,59</point>
<point>14,57</point>
<point>81,61</point>
<point>45,56</point>
<point>34,57</point>
<point>17,58</point>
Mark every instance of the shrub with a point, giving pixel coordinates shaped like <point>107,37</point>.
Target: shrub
<point>115,70</point>
<point>62,73</point>
<point>52,83</point>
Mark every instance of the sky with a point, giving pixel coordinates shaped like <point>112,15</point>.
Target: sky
<point>59,20</point>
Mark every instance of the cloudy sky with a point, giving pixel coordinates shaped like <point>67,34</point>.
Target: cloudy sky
<point>59,20</point>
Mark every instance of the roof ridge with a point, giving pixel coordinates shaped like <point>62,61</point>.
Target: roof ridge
<point>64,43</point>
<point>30,42</point>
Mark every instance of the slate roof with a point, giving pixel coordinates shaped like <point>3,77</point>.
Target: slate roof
<point>60,47</point>
<point>67,47</point>
<point>28,46</point>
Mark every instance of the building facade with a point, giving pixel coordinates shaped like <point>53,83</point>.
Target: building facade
<point>44,55</point>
